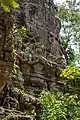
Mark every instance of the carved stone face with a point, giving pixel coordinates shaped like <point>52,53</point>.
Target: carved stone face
<point>40,19</point>
<point>43,49</point>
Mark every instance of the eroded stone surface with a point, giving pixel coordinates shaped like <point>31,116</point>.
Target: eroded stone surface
<point>41,57</point>
<point>6,59</point>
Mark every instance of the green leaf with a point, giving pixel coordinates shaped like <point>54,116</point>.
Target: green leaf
<point>14,4</point>
<point>6,9</point>
<point>6,3</point>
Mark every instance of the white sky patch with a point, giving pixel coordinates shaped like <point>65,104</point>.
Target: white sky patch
<point>73,46</point>
<point>61,1</point>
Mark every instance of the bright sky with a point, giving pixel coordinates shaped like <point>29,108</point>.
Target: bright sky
<point>61,1</point>
<point>73,47</point>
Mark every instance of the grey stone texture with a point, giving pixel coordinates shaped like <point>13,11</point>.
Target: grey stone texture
<point>6,58</point>
<point>41,58</point>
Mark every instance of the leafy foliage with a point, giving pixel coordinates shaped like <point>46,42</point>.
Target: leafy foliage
<point>70,36</point>
<point>20,34</point>
<point>58,107</point>
<point>71,73</point>
<point>6,3</point>
<point>71,78</point>
<point>15,67</point>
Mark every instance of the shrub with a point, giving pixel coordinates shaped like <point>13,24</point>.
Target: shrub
<point>58,107</point>
<point>71,79</point>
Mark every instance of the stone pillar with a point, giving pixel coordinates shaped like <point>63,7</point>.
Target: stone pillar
<point>6,59</point>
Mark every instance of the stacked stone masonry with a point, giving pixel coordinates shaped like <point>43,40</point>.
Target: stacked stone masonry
<point>42,55</point>
<point>6,59</point>
<point>39,58</point>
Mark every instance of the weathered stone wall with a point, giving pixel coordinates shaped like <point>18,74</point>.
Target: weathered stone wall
<point>6,59</point>
<point>39,58</point>
<point>42,55</point>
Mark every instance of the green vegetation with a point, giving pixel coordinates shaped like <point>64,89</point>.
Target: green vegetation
<point>69,14</point>
<point>20,34</point>
<point>65,105</point>
<point>58,107</point>
<point>6,4</point>
<point>71,79</point>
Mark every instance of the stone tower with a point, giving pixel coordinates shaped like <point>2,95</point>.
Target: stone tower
<point>43,54</point>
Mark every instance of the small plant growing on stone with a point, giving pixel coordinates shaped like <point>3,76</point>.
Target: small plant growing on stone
<point>20,34</point>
